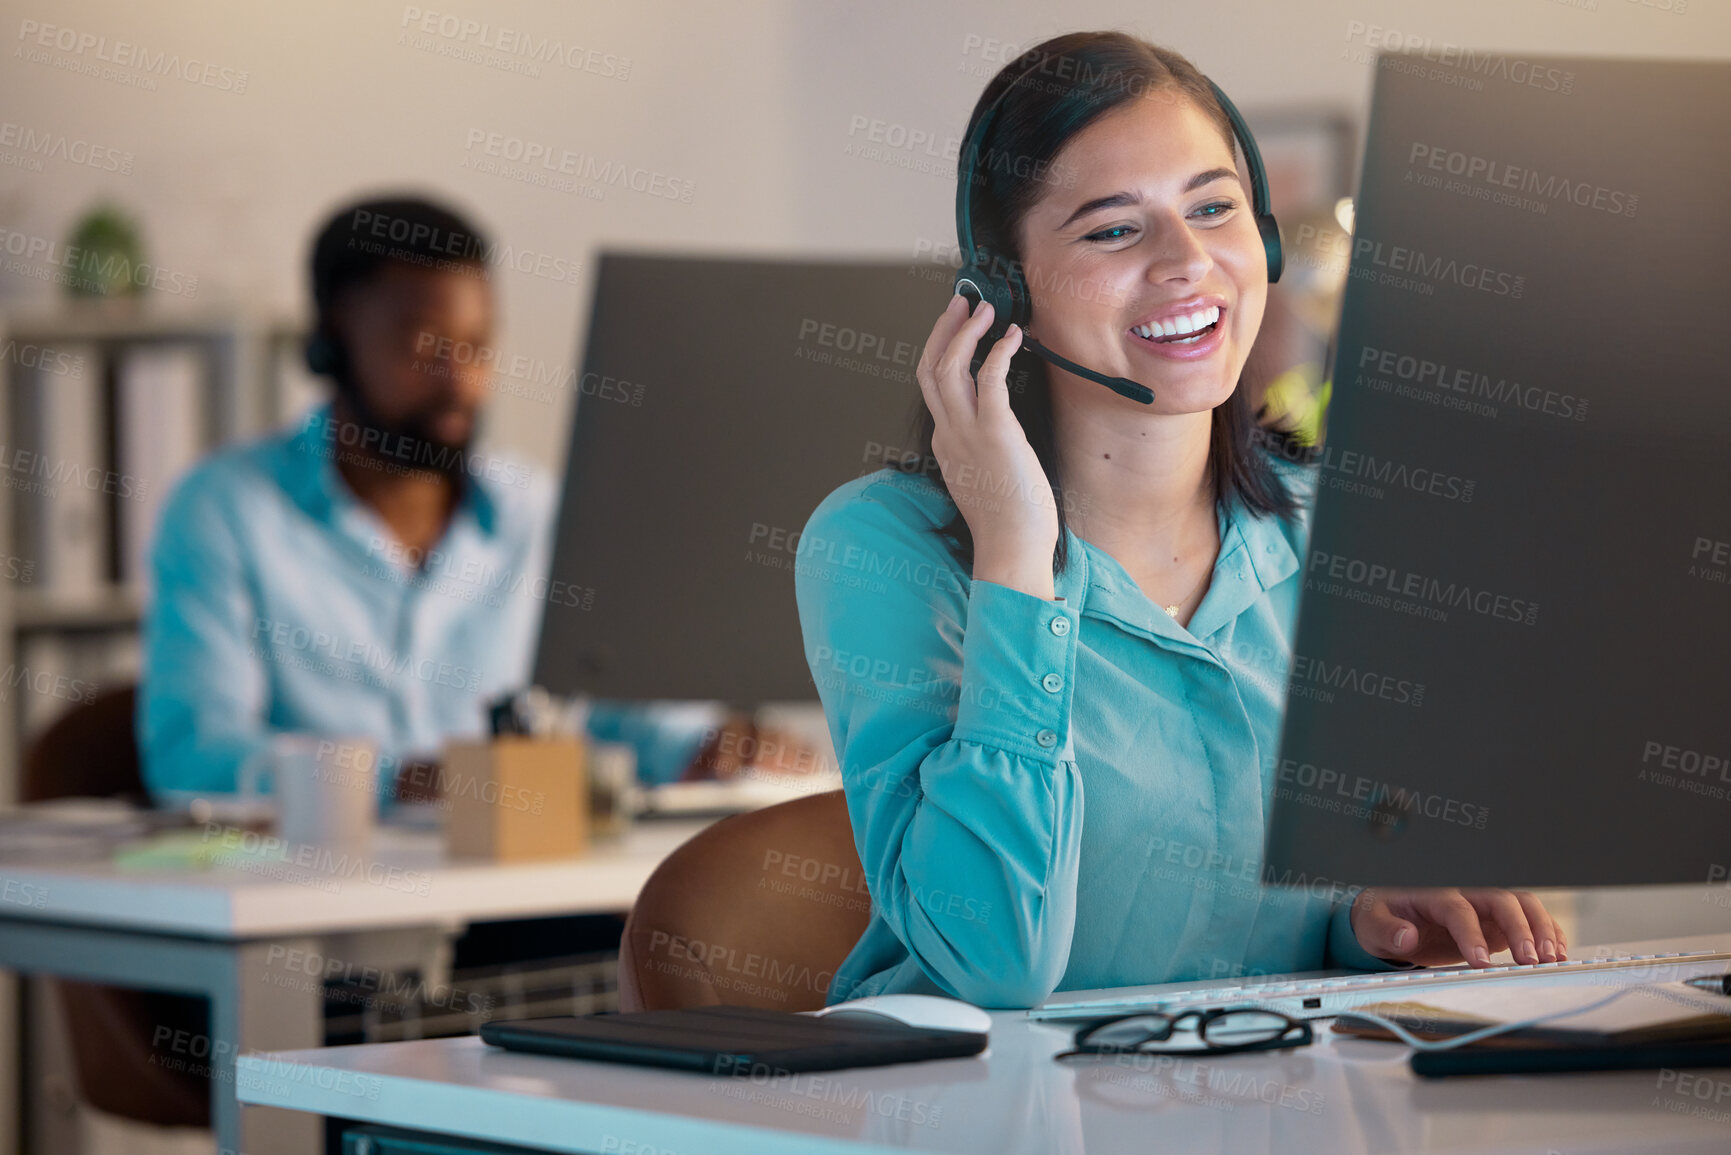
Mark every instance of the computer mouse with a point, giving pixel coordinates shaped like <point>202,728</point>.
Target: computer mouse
<point>928,1011</point>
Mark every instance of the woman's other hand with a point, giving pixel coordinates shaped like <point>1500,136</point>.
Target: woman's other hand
<point>1445,925</point>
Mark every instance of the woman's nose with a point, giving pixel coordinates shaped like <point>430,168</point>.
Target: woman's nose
<point>1177,254</point>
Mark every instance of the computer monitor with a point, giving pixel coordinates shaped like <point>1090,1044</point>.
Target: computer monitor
<point>720,401</point>
<point>1513,654</point>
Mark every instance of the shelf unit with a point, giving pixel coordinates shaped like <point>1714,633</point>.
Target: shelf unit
<point>246,392</point>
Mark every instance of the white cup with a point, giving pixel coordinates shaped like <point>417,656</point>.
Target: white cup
<point>326,789</point>
<point>612,773</point>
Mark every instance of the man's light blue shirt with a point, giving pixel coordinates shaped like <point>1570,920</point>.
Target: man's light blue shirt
<point>282,603</point>
<point>1057,795</point>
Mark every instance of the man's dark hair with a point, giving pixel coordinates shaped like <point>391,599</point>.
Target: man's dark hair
<point>362,239</point>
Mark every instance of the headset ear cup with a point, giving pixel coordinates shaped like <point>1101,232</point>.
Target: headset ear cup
<point>976,283</point>
<point>1270,231</point>
<point>326,357</point>
<point>320,355</point>
<point>1003,298</point>
<point>1019,305</point>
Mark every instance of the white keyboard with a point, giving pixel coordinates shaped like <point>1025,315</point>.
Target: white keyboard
<point>1320,994</point>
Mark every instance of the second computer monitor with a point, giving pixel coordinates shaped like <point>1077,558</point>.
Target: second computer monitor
<point>720,401</point>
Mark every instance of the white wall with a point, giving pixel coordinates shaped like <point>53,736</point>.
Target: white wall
<point>752,102</point>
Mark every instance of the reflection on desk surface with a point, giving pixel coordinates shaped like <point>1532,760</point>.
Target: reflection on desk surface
<point>1339,1095</point>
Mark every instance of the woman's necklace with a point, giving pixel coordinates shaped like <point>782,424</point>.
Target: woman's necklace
<point>1207,572</point>
<point>1172,609</point>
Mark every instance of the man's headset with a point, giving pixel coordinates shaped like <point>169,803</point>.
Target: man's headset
<point>1000,281</point>
<point>326,357</point>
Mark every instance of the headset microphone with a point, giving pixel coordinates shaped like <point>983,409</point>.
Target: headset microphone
<point>1134,390</point>
<point>985,278</point>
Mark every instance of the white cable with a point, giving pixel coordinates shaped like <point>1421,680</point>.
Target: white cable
<point>1417,1043</point>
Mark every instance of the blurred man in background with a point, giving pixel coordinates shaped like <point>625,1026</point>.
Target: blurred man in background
<point>369,574</point>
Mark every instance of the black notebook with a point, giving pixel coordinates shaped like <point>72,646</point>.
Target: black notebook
<point>1541,1060</point>
<point>732,1040</point>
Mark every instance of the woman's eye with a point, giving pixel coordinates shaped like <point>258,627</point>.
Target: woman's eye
<point>1115,233</point>
<point>1216,210</point>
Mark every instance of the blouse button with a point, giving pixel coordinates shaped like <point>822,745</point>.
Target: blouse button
<point>1047,738</point>
<point>1053,683</point>
<point>1060,626</point>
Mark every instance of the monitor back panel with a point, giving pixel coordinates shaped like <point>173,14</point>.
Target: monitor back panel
<point>1513,654</point>
<point>720,402</point>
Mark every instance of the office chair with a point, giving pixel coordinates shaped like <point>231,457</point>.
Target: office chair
<point>757,910</point>
<point>91,751</point>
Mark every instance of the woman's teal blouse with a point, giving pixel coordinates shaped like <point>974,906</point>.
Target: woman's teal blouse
<point>1057,795</point>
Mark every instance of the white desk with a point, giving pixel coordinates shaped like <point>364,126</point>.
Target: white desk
<point>228,934</point>
<point>1339,1095</point>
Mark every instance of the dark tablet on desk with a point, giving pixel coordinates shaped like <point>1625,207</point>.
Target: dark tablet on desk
<point>732,1040</point>
<point>1480,1060</point>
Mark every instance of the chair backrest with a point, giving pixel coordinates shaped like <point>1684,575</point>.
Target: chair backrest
<point>757,910</point>
<point>91,751</point>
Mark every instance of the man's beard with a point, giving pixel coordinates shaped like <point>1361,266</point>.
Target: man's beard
<point>410,442</point>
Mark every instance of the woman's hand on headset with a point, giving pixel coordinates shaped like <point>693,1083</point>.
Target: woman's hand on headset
<point>992,473</point>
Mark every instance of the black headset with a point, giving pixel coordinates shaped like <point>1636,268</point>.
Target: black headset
<point>1000,282</point>
<point>325,355</point>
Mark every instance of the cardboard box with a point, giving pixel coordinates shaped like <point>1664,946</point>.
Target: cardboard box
<point>516,799</point>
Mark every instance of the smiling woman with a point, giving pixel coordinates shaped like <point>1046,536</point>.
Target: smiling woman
<point>1077,734</point>
<point>1065,210</point>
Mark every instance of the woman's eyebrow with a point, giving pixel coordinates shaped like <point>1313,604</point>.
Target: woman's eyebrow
<point>1119,199</point>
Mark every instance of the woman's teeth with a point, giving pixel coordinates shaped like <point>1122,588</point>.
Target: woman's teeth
<point>1182,330</point>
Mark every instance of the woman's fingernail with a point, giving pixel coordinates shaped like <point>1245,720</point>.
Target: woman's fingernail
<point>1403,938</point>
<point>1529,954</point>
<point>1548,951</point>
<point>1480,956</point>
